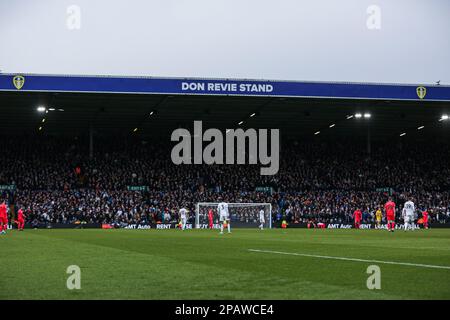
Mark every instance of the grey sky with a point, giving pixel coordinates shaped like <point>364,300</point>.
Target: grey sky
<point>321,40</point>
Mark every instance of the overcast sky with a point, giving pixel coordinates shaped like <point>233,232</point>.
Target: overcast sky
<point>406,41</point>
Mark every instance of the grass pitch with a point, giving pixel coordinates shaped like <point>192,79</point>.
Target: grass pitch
<point>201,264</point>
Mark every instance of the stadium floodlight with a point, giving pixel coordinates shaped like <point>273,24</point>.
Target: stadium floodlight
<point>349,117</point>
<point>241,122</point>
<point>367,115</point>
<point>316,133</point>
<point>403,134</point>
<point>228,130</point>
<point>51,109</point>
<point>332,125</point>
<point>240,214</point>
<point>135,129</point>
<point>43,120</point>
<point>444,117</point>
<point>40,128</point>
<point>358,115</point>
<point>252,115</point>
<point>420,128</point>
<point>41,109</point>
<point>151,113</point>
<point>61,110</point>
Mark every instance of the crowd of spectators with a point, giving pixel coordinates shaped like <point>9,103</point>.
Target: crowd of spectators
<point>56,180</point>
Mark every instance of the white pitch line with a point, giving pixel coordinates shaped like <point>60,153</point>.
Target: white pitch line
<point>353,259</point>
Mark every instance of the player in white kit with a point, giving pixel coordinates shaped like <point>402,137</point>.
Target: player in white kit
<point>408,214</point>
<point>222,210</point>
<point>183,217</point>
<point>262,219</point>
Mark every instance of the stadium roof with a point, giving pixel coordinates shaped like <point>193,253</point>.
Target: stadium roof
<point>158,113</point>
<point>234,87</point>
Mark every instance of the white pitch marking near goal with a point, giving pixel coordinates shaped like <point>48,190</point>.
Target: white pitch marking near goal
<point>353,259</point>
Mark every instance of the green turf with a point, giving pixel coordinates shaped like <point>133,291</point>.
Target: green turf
<point>201,264</point>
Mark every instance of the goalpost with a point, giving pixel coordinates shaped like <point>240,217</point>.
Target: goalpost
<point>241,214</point>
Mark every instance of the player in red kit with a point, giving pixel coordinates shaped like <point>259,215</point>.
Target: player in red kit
<point>357,215</point>
<point>389,208</point>
<point>3,218</point>
<point>425,219</point>
<point>20,220</point>
<point>210,218</point>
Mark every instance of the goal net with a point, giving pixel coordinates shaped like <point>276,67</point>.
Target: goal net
<point>240,214</point>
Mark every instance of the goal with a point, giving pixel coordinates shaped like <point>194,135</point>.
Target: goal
<point>244,215</point>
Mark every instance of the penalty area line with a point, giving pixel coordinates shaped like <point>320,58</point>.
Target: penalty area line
<point>352,259</point>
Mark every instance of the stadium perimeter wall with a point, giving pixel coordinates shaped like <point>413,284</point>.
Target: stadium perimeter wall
<point>169,226</point>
